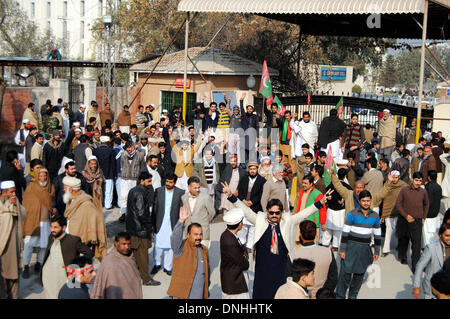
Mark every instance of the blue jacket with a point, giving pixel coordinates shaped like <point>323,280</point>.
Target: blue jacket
<point>79,117</point>
<point>118,150</point>
<point>107,160</point>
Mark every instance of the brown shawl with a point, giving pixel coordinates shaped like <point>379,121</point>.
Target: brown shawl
<point>124,119</point>
<point>95,180</point>
<point>34,198</point>
<point>117,278</point>
<point>87,222</point>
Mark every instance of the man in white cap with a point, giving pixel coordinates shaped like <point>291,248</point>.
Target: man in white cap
<point>80,115</point>
<point>20,138</point>
<point>83,217</point>
<point>233,258</point>
<point>11,216</point>
<point>387,132</point>
<point>107,160</point>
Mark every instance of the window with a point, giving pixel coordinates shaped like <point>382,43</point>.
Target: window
<point>170,99</point>
<point>82,29</point>
<point>49,9</point>
<point>65,9</point>
<point>82,7</point>
<point>33,9</point>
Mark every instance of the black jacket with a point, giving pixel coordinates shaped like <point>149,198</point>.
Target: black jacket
<point>107,160</point>
<point>233,263</point>
<point>59,190</point>
<point>79,117</point>
<point>8,172</point>
<point>330,130</point>
<point>255,194</point>
<point>71,247</point>
<point>137,219</point>
<point>434,195</point>
<point>52,157</point>
<point>166,162</point>
<point>159,207</point>
<point>209,122</point>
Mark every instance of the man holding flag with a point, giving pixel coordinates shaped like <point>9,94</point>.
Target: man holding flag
<point>331,129</point>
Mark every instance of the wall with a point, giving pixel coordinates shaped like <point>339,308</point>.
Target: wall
<point>15,101</point>
<point>442,111</point>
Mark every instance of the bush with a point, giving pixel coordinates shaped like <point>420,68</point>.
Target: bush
<point>356,89</point>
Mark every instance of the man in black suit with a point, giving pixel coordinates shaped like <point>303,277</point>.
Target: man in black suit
<point>165,213</point>
<point>233,258</point>
<point>62,248</point>
<point>250,190</point>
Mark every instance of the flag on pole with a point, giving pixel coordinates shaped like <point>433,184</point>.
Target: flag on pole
<point>269,100</point>
<point>309,98</point>
<point>326,177</point>
<point>281,108</point>
<point>265,87</point>
<point>340,106</point>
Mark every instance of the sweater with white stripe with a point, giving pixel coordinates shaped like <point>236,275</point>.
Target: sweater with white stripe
<point>360,228</point>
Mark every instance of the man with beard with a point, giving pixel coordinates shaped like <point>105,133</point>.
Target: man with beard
<point>271,113</point>
<point>70,170</point>
<point>387,132</point>
<point>20,138</point>
<point>30,114</point>
<point>165,212</point>
<point>95,181</point>
<point>118,275</point>
<point>62,248</point>
<point>12,170</point>
<point>273,241</point>
<point>331,129</point>
<point>53,154</point>
<point>139,224</point>
<point>107,161</point>
<point>84,218</point>
<point>354,136</point>
<point>250,190</point>
<point>275,187</point>
<point>11,216</point>
<point>428,164</point>
<point>131,163</point>
<point>232,174</point>
<point>37,201</point>
<point>156,171</point>
<point>305,133</point>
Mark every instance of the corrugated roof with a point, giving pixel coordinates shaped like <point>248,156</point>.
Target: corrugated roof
<point>210,61</point>
<point>307,6</point>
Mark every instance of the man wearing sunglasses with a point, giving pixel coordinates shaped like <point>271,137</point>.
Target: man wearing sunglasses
<point>273,241</point>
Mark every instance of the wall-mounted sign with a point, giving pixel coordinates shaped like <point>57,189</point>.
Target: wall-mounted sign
<point>180,81</point>
<point>333,73</point>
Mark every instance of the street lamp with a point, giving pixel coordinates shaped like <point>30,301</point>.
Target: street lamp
<point>251,81</point>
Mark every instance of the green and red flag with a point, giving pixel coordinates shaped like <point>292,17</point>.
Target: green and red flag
<point>340,106</point>
<point>326,177</point>
<point>309,98</point>
<point>265,87</point>
<point>281,108</point>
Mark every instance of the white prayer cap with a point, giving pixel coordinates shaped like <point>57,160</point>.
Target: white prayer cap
<point>77,130</point>
<point>26,121</point>
<point>7,185</point>
<point>395,173</point>
<point>92,158</point>
<point>152,105</point>
<point>164,111</point>
<point>265,158</point>
<point>234,216</point>
<point>82,106</point>
<point>386,110</point>
<point>67,160</point>
<point>77,124</point>
<point>342,162</point>
<point>72,182</point>
<point>104,139</point>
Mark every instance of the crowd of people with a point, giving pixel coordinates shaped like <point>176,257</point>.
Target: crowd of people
<point>298,197</point>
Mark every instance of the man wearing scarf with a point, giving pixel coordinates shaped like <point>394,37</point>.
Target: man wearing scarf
<point>83,216</point>
<point>131,164</point>
<point>208,172</point>
<point>11,216</point>
<point>95,181</point>
<point>305,133</point>
<point>38,201</point>
<point>53,154</point>
<point>287,139</point>
<point>273,241</point>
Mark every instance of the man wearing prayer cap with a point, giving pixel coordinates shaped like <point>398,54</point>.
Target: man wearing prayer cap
<point>233,258</point>
<point>11,216</point>
<point>387,133</point>
<point>84,219</point>
<point>20,139</point>
<point>107,162</point>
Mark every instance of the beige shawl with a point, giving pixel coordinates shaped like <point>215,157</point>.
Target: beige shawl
<point>7,211</point>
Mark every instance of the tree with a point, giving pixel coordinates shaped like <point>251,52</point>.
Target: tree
<point>388,76</point>
<point>356,89</point>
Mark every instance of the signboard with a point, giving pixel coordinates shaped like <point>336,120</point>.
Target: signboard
<point>180,81</point>
<point>448,92</point>
<point>333,73</point>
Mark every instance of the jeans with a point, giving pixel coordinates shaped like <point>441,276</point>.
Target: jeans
<point>109,188</point>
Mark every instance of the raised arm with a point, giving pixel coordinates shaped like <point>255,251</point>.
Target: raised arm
<point>344,192</point>
<point>248,213</point>
<point>176,240</point>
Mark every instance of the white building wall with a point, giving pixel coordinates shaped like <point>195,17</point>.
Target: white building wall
<point>71,24</point>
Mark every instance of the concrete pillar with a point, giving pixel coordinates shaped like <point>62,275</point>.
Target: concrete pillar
<point>59,88</point>
<point>90,92</point>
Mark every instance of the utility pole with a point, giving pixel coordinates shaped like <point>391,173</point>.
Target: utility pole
<point>108,57</point>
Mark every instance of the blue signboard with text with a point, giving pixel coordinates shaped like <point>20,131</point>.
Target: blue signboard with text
<point>333,73</point>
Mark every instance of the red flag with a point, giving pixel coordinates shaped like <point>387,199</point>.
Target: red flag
<point>269,100</point>
<point>309,97</point>
<point>329,159</point>
<point>340,106</point>
<point>265,87</point>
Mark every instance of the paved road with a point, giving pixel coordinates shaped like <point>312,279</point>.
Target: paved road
<point>388,279</point>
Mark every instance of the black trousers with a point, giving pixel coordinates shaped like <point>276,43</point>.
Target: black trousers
<point>406,232</point>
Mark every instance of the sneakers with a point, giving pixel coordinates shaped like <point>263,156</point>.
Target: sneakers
<point>155,269</point>
<point>152,282</point>
<point>26,272</point>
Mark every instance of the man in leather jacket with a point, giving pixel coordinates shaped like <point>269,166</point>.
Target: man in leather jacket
<point>138,224</point>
